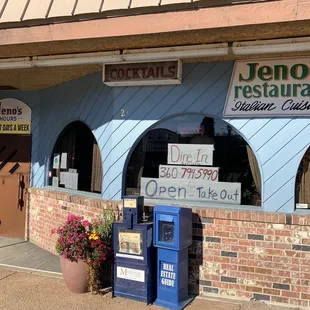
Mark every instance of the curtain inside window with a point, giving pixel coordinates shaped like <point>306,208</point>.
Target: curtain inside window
<point>96,170</point>
<point>255,170</point>
<point>304,186</point>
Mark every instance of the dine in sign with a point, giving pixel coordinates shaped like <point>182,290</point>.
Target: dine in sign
<point>190,154</point>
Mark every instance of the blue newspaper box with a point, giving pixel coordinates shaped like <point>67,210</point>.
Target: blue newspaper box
<point>172,237</point>
<point>134,255</point>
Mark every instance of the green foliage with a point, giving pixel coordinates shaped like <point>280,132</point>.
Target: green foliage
<point>103,226</point>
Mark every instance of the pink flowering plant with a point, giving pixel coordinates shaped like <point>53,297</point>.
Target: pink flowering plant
<point>78,239</point>
<point>72,242</point>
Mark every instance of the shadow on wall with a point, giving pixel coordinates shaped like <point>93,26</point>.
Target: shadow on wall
<point>196,256</point>
<point>108,111</point>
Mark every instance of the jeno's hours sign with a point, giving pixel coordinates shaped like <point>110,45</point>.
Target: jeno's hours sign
<point>15,117</point>
<point>263,88</point>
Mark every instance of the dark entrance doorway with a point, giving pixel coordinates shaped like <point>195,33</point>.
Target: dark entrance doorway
<point>15,154</point>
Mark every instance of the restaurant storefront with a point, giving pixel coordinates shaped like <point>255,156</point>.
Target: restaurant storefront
<point>241,164</point>
<point>201,106</point>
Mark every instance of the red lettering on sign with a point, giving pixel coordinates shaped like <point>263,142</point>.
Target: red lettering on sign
<point>112,76</point>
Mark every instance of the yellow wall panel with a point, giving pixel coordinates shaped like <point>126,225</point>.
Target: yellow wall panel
<point>61,8</point>
<point>13,10</point>
<point>87,6</point>
<point>165,2</point>
<point>37,9</point>
<point>144,3</point>
<point>115,5</point>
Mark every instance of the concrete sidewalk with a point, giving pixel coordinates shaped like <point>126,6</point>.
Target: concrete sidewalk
<point>30,278</point>
<point>20,254</point>
<point>23,290</point>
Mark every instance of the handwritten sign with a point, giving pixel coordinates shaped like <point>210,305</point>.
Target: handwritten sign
<point>189,172</point>
<point>190,154</point>
<point>15,117</point>
<point>167,274</point>
<point>130,274</point>
<point>262,88</point>
<point>198,190</point>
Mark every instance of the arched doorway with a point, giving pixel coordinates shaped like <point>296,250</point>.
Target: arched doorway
<point>15,157</point>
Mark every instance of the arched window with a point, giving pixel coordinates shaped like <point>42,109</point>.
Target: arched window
<point>302,189</point>
<point>76,160</point>
<point>170,162</point>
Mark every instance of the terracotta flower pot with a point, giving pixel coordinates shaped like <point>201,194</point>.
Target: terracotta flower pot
<point>74,275</point>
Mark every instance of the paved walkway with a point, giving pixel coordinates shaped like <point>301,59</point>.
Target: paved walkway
<point>24,285</point>
<point>17,253</point>
<point>20,290</point>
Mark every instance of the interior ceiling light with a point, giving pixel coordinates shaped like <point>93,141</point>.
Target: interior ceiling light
<point>271,46</point>
<point>178,52</point>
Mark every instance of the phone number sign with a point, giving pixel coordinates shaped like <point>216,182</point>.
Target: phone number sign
<point>189,172</point>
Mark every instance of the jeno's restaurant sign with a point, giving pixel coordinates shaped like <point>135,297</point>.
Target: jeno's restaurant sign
<point>279,87</point>
<point>15,117</point>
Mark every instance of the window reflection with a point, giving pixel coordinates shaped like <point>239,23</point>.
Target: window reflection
<point>235,159</point>
<point>302,191</point>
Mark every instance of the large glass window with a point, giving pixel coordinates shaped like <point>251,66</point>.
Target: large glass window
<point>76,160</point>
<point>302,190</point>
<point>197,158</point>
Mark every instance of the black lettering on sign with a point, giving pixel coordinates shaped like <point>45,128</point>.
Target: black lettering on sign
<point>7,127</point>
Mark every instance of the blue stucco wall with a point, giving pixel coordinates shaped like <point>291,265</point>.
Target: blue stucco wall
<point>279,143</point>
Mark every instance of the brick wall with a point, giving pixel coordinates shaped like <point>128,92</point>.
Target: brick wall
<point>49,209</point>
<point>235,254</point>
<point>251,255</point>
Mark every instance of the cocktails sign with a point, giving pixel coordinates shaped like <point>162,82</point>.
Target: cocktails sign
<point>262,88</point>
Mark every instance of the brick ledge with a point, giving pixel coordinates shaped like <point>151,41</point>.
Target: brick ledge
<point>74,198</point>
<point>202,212</point>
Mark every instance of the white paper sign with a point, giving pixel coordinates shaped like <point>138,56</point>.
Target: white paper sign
<point>191,190</point>
<point>62,178</point>
<point>190,154</point>
<point>277,87</point>
<point>63,161</point>
<point>189,173</point>
<point>56,161</point>
<point>70,180</point>
<point>55,181</point>
<point>130,274</point>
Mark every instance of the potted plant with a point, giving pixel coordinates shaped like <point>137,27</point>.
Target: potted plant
<point>99,254</point>
<point>85,252</point>
<point>72,246</point>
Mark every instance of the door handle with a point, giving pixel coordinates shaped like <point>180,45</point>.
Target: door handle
<point>21,188</point>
